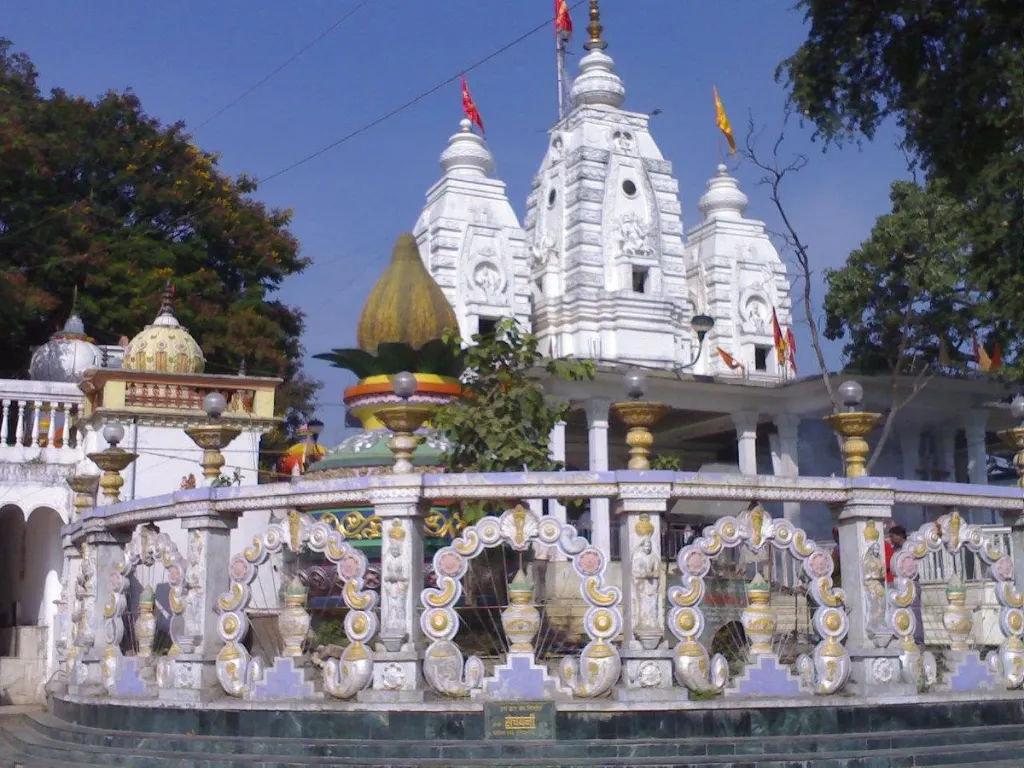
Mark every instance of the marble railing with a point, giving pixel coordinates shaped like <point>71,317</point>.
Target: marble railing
<point>38,421</point>
<point>643,639</point>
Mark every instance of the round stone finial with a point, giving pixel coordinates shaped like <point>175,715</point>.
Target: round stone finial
<point>214,404</point>
<point>466,155</point>
<point>404,384</point>
<point>1017,407</point>
<point>724,199</point>
<point>851,395</point>
<point>113,433</point>
<point>597,83</point>
<point>636,383</point>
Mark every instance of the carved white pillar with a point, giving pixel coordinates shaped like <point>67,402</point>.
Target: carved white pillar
<point>396,671</point>
<point>37,417</point>
<point>3,422</point>
<point>51,426</point>
<point>745,423</point>
<point>557,449</point>
<point>975,424</point>
<point>19,423</point>
<point>788,426</point>
<point>597,443</point>
<point>910,450</point>
<point>945,448</point>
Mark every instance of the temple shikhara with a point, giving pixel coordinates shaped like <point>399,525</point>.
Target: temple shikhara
<point>714,542</point>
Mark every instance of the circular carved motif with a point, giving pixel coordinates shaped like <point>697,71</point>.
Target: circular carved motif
<point>819,564</point>
<point>648,674</point>
<point>1003,569</point>
<point>449,563</point>
<point>393,676</point>
<point>696,563</point>
<point>349,567</point>
<point>589,561</point>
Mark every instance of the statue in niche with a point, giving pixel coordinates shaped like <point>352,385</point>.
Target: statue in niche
<point>395,586</point>
<point>633,236</point>
<point>757,316</point>
<point>557,150</point>
<point>646,572</point>
<point>622,141</point>
<point>487,278</point>
<point>543,253</point>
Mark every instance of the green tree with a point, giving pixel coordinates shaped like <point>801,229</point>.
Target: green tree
<point>951,75</point>
<point>99,195</point>
<point>504,421</point>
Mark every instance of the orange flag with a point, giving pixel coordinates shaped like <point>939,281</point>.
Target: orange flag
<point>729,360</point>
<point>984,361</point>
<point>469,106</point>
<point>563,21</point>
<point>791,348</point>
<point>997,357</point>
<point>780,340</point>
<point>722,121</point>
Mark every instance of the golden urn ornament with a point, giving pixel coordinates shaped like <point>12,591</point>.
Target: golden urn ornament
<point>639,416</point>
<point>145,625</point>
<point>294,620</point>
<point>758,617</point>
<point>112,460</point>
<point>521,620</point>
<point>853,426</point>
<point>1014,437</point>
<point>957,618</point>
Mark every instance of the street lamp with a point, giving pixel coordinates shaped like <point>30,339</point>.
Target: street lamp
<point>701,325</point>
<point>112,460</point>
<point>639,416</point>
<point>853,425</point>
<point>213,436</point>
<point>403,419</point>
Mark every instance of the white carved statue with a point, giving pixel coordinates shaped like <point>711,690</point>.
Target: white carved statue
<point>633,236</point>
<point>487,277</point>
<point>646,573</point>
<point>395,587</point>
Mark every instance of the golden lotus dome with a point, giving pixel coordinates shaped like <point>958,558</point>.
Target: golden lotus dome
<point>406,305</point>
<point>164,346</point>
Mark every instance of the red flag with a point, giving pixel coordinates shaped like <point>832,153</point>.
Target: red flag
<point>563,21</point>
<point>791,348</point>
<point>469,106</point>
<point>997,357</point>
<point>729,360</point>
<point>780,340</point>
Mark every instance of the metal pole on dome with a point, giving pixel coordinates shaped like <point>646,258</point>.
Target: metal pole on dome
<point>560,69</point>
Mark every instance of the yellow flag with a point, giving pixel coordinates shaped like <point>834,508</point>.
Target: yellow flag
<point>722,121</point>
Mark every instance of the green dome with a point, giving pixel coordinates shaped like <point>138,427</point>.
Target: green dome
<point>406,305</point>
<point>369,449</point>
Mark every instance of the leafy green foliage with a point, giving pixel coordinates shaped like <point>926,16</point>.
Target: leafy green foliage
<point>666,461</point>
<point>436,357</point>
<point>504,421</point>
<point>99,195</point>
<point>906,289</point>
<point>951,75</point>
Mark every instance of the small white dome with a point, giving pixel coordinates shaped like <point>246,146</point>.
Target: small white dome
<point>597,82</point>
<point>67,355</point>
<point>466,155</point>
<point>724,198</point>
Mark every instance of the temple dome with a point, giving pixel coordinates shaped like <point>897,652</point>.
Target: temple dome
<point>164,346</point>
<point>597,82</point>
<point>724,198</point>
<point>67,354</point>
<point>406,305</point>
<point>466,155</point>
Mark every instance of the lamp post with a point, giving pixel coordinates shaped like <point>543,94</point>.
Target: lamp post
<point>639,415</point>
<point>1014,437</point>
<point>213,436</point>
<point>853,425</point>
<point>403,419</point>
<point>701,325</point>
<point>112,460</point>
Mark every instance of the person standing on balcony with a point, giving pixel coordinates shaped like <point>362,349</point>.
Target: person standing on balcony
<point>897,536</point>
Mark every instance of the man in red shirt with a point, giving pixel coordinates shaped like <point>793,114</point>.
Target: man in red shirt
<point>897,535</point>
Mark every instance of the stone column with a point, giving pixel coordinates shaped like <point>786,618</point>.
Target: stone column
<point>557,450</point>
<point>745,423</point>
<point>862,522</point>
<point>62,636</point>
<point>396,670</point>
<point>647,658</point>
<point>788,426</point>
<point>945,448</point>
<point>975,423</point>
<point>597,434</point>
<point>106,550</point>
<point>910,450</point>
<point>208,554</point>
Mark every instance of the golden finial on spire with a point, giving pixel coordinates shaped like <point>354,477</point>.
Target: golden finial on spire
<point>595,28</point>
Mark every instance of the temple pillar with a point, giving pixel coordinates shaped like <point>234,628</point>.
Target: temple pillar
<point>910,450</point>
<point>396,669</point>
<point>597,443</point>
<point>646,656</point>
<point>975,424</point>
<point>557,450</point>
<point>192,673</point>
<point>945,449</point>
<point>745,422</point>
<point>787,453</point>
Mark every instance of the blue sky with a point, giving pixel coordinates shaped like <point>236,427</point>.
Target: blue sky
<point>188,59</point>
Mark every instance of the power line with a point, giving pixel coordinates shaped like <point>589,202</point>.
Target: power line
<point>284,64</point>
<point>414,100</point>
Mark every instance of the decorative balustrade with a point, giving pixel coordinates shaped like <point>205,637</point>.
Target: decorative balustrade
<point>404,640</point>
<point>36,415</point>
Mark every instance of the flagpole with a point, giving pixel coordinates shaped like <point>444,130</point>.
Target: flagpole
<point>560,41</point>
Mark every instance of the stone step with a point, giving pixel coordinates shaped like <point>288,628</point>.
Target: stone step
<point>43,738</point>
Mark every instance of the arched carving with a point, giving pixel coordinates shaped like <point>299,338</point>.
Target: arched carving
<point>146,547</point>
<point>825,670</point>
<point>237,670</point>
<point>445,668</point>
<point>953,533</point>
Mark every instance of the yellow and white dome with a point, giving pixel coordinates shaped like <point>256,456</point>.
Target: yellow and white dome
<point>164,346</point>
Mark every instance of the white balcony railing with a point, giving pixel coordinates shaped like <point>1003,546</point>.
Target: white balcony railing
<point>39,420</point>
